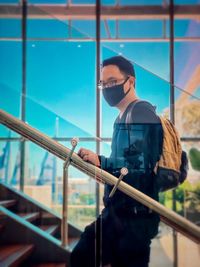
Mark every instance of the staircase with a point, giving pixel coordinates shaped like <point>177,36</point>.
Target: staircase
<point>30,234</point>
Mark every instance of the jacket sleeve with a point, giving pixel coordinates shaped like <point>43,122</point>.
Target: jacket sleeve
<point>103,162</point>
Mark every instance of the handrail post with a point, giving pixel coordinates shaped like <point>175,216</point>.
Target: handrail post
<point>64,230</point>
<point>123,171</point>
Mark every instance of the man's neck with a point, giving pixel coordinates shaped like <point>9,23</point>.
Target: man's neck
<point>124,104</point>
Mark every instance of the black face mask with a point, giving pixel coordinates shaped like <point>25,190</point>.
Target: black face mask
<point>113,95</point>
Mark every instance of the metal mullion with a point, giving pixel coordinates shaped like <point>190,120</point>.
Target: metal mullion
<point>172,114</point>
<point>23,97</point>
<point>98,115</point>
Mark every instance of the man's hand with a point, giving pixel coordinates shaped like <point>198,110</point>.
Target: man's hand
<point>89,156</point>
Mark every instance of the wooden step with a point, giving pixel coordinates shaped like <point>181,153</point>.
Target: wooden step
<point>29,216</point>
<point>50,229</point>
<point>49,265</point>
<point>13,255</point>
<point>8,203</point>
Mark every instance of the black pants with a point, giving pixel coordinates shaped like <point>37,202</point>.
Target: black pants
<point>120,240</point>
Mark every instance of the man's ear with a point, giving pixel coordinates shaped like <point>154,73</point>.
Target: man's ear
<point>132,80</point>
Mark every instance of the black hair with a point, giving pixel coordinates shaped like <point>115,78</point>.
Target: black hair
<point>122,63</point>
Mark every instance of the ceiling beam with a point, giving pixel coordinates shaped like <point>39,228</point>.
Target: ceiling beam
<point>87,12</point>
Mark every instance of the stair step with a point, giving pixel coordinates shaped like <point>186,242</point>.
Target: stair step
<point>50,229</point>
<point>29,216</point>
<point>13,255</point>
<point>8,203</point>
<point>49,265</point>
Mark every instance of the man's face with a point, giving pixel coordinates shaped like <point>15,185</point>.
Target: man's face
<point>111,75</point>
<point>111,72</point>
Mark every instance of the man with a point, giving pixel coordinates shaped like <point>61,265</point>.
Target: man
<point>121,235</point>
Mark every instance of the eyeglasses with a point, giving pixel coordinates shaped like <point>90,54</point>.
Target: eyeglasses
<point>103,85</point>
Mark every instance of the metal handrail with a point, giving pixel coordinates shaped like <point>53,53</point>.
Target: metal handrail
<point>168,216</point>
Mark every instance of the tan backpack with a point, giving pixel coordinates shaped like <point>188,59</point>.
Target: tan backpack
<point>172,168</point>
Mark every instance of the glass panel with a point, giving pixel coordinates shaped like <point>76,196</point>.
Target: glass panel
<point>189,191</point>
<point>186,2</point>
<point>187,28</point>
<point>82,192</point>
<point>187,110</point>
<point>10,89</point>
<point>184,28</point>
<point>9,1</point>
<point>48,1</point>
<point>150,28</point>
<point>61,67</point>
<point>8,97</point>
<point>9,161</point>
<point>108,2</point>
<point>51,26</point>
<point>44,176</point>
<point>10,53</point>
<point>11,63</point>
<point>10,28</point>
<point>108,28</point>
<point>83,1</point>
<point>188,58</point>
<point>47,28</point>
<point>84,26</point>
<point>141,2</point>
<point>187,67</point>
<point>143,55</point>
<point>52,123</point>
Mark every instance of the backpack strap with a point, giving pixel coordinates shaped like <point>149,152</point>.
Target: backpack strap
<point>129,120</point>
<point>128,115</point>
<point>132,106</point>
